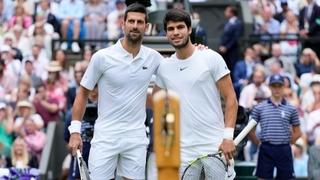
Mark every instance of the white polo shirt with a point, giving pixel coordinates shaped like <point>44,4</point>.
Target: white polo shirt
<point>194,79</point>
<point>122,84</point>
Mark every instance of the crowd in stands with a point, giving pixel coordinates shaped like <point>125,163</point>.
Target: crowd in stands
<point>38,85</point>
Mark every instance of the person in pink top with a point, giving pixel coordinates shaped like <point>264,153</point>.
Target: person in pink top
<point>34,138</point>
<point>20,17</point>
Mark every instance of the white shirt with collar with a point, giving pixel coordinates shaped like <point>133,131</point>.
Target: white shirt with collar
<point>122,84</point>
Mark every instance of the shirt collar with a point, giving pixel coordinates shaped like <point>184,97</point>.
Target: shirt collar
<point>283,101</point>
<point>233,19</point>
<point>126,53</point>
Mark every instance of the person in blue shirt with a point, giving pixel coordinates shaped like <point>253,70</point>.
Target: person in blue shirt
<point>280,127</point>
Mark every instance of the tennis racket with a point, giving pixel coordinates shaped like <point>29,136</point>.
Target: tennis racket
<point>213,166</point>
<point>83,169</point>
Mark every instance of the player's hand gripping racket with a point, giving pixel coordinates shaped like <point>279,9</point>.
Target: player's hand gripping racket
<point>213,166</point>
<point>83,169</point>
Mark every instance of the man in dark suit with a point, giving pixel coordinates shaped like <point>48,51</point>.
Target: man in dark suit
<point>309,24</point>
<point>229,40</point>
<point>243,70</point>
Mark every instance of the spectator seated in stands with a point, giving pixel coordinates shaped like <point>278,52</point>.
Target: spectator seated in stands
<point>290,94</point>
<point>308,60</point>
<point>113,30</point>
<point>199,32</point>
<point>313,120</point>
<point>7,80</point>
<point>256,91</point>
<point>6,129</point>
<point>10,40</point>
<point>289,29</point>
<point>25,110</point>
<point>309,24</point>
<point>64,74</point>
<point>288,65</point>
<point>300,159</point>
<point>70,13</point>
<point>95,21</point>
<point>20,17</point>
<point>314,160</point>
<point>268,26</point>
<point>24,91</point>
<point>45,105</point>
<point>33,137</point>
<point>243,70</point>
<point>20,157</point>
<point>12,65</point>
<point>29,71</point>
<point>48,9</point>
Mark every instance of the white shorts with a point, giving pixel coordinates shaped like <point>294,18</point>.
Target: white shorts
<point>126,155</point>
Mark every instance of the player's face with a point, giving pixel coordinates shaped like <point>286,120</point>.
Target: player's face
<point>135,26</point>
<point>178,34</point>
<point>277,90</point>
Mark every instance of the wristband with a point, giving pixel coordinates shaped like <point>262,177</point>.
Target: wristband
<point>228,133</point>
<point>75,127</point>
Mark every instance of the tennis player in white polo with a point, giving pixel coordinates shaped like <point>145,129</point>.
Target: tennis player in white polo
<point>123,73</point>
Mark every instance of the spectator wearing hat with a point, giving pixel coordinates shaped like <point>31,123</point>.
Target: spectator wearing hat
<point>6,129</point>
<point>25,110</point>
<point>12,65</point>
<point>45,105</point>
<point>9,39</point>
<point>56,84</point>
<point>280,127</point>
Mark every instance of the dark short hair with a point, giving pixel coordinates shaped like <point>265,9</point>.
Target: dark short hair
<point>234,10</point>
<point>176,15</point>
<point>136,7</point>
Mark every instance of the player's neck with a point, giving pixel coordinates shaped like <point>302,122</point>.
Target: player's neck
<point>185,52</point>
<point>132,48</point>
<point>276,100</point>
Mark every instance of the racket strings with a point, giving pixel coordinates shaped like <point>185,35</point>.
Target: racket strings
<point>209,168</point>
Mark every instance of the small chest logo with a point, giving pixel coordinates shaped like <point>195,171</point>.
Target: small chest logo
<point>144,67</point>
<point>182,68</point>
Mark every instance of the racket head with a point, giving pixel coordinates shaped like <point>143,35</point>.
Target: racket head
<point>211,166</point>
<point>83,168</point>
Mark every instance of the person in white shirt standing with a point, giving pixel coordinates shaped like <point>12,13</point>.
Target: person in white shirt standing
<point>200,78</point>
<point>122,72</point>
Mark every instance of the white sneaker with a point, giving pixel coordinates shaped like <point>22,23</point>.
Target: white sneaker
<point>75,47</point>
<point>64,46</point>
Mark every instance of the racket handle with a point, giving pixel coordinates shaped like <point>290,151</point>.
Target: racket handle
<point>79,153</point>
<point>252,123</point>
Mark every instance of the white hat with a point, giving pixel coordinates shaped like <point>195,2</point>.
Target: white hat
<point>24,103</point>
<point>2,105</point>
<point>5,48</point>
<point>54,66</point>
